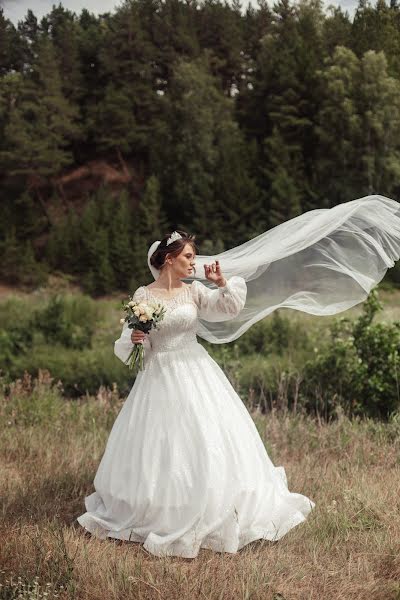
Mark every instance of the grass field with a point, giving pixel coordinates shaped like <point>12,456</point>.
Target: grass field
<point>50,447</point>
<point>349,548</point>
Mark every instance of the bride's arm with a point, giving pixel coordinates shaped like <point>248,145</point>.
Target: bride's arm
<point>220,304</point>
<point>123,345</point>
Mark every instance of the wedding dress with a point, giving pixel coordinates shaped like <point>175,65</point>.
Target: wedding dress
<point>184,467</point>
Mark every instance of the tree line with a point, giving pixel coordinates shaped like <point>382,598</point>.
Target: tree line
<point>202,115</point>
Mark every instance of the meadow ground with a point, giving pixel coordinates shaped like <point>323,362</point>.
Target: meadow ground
<point>349,548</point>
<point>50,447</point>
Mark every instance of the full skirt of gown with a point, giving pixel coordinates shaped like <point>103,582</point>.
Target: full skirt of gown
<point>185,468</point>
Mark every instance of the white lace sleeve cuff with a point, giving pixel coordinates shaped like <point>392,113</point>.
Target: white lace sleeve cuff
<point>220,304</point>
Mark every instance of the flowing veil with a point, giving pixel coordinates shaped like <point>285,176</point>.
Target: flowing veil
<point>321,262</point>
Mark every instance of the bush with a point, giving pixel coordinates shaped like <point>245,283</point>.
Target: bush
<point>359,367</point>
<point>69,321</point>
<point>80,371</point>
<point>30,401</point>
<point>15,331</point>
<point>276,334</point>
<point>69,335</point>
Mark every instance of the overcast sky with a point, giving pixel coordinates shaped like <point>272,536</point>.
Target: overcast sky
<point>16,9</point>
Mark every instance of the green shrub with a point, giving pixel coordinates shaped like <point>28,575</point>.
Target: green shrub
<point>67,320</point>
<point>13,343</point>
<point>359,367</point>
<point>80,371</point>
<point>68,335</point>
<point>15,331</point>
<point>16,313</point>
<point>30,401</point>
<point>275,334</point>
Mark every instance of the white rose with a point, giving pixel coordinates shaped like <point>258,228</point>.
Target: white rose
<point>131,303</point>
<point>136,312</point>
<point>143,318</point>
<point>122,321</point>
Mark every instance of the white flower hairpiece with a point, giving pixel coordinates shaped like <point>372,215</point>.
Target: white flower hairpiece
<point>174,236</point>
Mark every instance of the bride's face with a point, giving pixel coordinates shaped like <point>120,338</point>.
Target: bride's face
<point>183,264</point>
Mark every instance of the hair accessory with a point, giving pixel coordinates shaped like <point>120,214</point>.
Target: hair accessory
<point>174,236</point>
<point>155,272</point>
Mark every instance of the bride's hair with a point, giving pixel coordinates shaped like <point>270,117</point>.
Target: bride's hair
<point>157,259</point>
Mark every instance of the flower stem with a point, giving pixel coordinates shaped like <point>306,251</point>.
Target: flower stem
<point>135,359</point>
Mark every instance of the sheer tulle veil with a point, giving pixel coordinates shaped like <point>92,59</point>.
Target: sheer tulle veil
<point>321,262</point>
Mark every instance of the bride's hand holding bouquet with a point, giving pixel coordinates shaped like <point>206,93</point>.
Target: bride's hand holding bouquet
<point>141,317</point>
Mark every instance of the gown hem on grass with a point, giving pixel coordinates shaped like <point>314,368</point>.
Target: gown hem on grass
<point>184,466</point>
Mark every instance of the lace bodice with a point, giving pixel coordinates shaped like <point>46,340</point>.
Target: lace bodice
<point>178,328</point>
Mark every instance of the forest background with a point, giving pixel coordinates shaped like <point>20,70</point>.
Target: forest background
<point>115,129</point>
<point>118,128</point>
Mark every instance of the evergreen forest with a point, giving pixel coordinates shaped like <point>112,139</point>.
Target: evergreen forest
<point>203,115</point>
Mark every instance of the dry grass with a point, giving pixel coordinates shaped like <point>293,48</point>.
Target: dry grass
<point>348,549</point>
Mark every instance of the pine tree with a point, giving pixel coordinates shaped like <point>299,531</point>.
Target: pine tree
<point>114,122</point>
<point>151,217</point>
<point>282,101</point>
<point>336,29</point>
<point>88,228</point>
<point>377,28</point>
<point>41,122</point>
<point>379,97</point>
<point>101,277</point>
<point>29,33</point>
<point>220,32</point>
<point>339,129</point>
<point>358,127</point>
<point>18,262</point>
<point>121,243</point>
<point>149,224</point>
<point>64,30</point>
<point>11,47</point>
<point>94,242</point>
<point>63,249</point>
<point>127,59</point>
<point>173,25</point>
<point>284,193</point>
<point>185,153</point>
<point>235,187</point>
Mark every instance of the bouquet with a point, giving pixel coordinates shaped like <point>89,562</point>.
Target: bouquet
<point>143,316</point>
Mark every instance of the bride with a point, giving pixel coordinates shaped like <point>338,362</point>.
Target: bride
<point>184,467</point>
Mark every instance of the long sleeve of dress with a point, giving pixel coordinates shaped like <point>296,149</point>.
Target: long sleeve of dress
<point>220,304</point>
<point>123,345</point>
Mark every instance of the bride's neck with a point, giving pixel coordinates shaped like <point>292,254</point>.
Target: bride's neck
<point>168,283</point>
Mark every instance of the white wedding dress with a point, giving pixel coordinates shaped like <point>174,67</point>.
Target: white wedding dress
<point>184,467</point>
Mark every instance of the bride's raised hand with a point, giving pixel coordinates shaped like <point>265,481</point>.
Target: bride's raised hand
<point>213,273</point>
